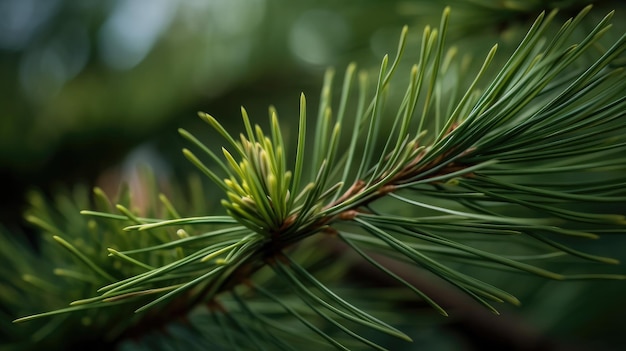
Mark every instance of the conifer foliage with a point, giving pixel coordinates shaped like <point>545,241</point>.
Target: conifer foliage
<point>525,152</point>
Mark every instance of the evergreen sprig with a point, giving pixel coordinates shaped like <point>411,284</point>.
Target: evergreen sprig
<point>529,155</point>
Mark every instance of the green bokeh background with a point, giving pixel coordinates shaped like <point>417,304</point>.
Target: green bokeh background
<point>90,88</point>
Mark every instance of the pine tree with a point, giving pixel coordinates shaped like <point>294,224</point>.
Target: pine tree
<point>411,173</point>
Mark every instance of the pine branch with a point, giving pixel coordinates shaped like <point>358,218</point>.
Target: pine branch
<point>411,192</point>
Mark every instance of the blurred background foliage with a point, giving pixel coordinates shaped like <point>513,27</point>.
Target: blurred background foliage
<point>88,89</point>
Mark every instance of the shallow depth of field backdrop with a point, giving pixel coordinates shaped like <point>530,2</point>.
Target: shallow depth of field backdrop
<point>91,89</point>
